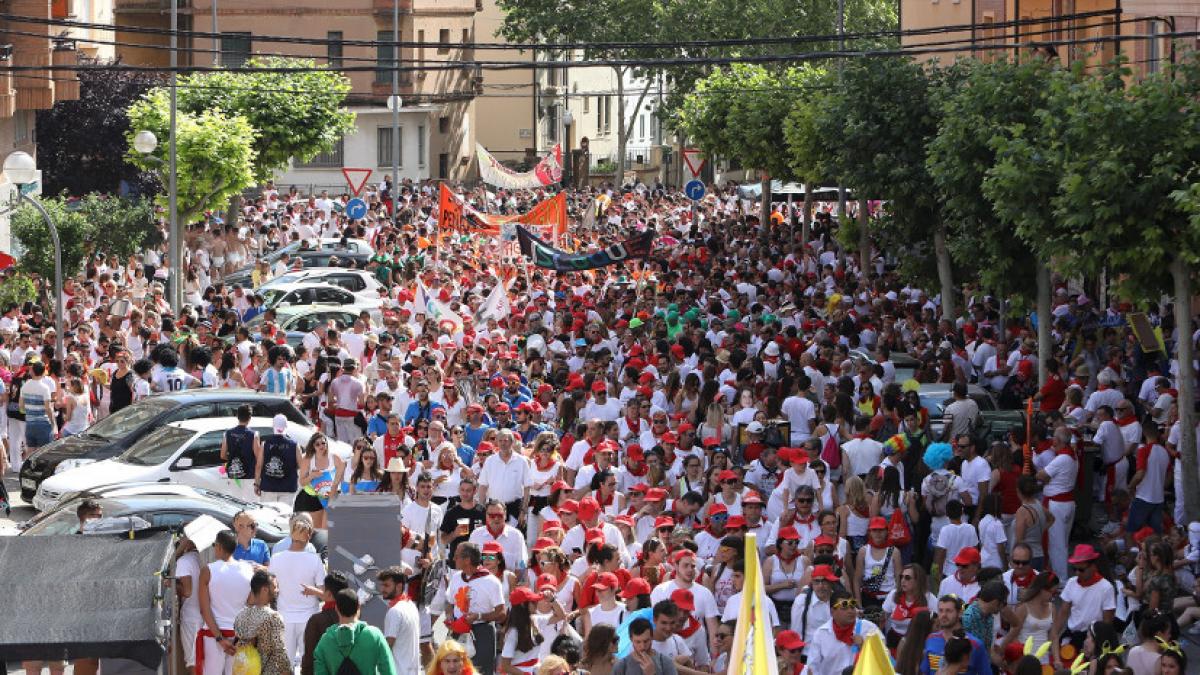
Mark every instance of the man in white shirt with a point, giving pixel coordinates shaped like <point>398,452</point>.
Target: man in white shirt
<point>1058,495</point>
<point>1086,598</point>
<point>811,609</point>
<point>421,516</point>
<point>402,623</point>
<point>506,477</point>
<point>494,529</point>
<point>976,472</point>
<point>300,573</point>
<point>826,653</point>
<point>485,604</point>
<point>1148,484</point>
<point>861,453</point>
<point>800,412</point>
<point>1111,442</point>
<point>601,407</point>
<point>705,604</point>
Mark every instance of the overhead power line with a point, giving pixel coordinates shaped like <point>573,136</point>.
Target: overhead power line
<point>568,46</point>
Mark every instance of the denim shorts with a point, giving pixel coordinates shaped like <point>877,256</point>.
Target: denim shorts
<point>37,433</point>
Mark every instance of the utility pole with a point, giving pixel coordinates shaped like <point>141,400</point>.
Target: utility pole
<point>176,236</point>
<point>395,105</point>
<point>216,39</point>
<point>841,31</point>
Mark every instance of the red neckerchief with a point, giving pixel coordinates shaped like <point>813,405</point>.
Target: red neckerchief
<point>479,573</point>
<point>845,633</point>
<point>861,511</point>
<point>496,534</point>
<point>1024,583</point>
<point>635,425</point>
<point>547,466</point>
<point>399,598</point>
<point>690,629</point>
<point>638,469</point>
<point>328,605</point>
<point>804,521</point>
<point>906,610</point>
<point>1126,421</point>
<point>1069,451</point>
<point>790,558</point>
<point>1090,580</point>
<point>604,503</point>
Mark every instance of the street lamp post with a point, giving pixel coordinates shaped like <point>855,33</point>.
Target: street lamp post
<point>175,250</point>
<point>394,102</point>
<point>568,165</point>
<point>21,170</point>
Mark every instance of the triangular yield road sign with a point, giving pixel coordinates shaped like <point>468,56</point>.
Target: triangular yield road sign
<point>356,178</point>
<point>694,160</point>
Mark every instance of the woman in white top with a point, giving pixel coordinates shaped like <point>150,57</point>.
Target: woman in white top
<point>993,542</point>
<point>551,563</point>
<point>784,571</point>
<point>877,566</point>
<point>906,603</point>
<point>446,472</point>
<point>1034,616</point>
<point>746,410</point>
<point>607,610</point>
<point>77,410</point>
<point>521,650</point>
<point>715,425</point>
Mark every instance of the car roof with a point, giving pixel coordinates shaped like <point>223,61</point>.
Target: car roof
<point>206,394</point>
<point>217,423</point>
<point>946,388</point>
<point>296,285</point>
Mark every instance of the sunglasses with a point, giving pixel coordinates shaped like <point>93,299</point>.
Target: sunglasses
<point>1020,563</point>
<point>805,500</point>
<point>846,603</point>
<point>495,516</point>
<point>490,557</point>
<point>730,482</point>
<point>720,518</point>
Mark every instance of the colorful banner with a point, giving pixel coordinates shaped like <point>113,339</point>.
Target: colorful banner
<point>546,256</point>
<point>455,215</point>
<point>547,172</point>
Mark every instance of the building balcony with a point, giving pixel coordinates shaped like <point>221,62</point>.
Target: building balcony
<point>384,8</point>
<point>66,82</point>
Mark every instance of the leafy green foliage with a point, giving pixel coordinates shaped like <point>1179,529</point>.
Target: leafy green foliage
<point>979,102</point>
<point>122,226</point>
<point>215,153</point>
<point>81,144</point>
<point>293,114</point>
<point>74,231</point>
<point>17,289</point>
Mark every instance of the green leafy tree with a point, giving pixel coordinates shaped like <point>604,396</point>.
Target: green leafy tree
<point>805,148</point>
<point>17,289</point>
<point>294,114</point>
<point>981,101</point>
<point>122,226</point>
<point>882,118</point>
<point>215,153</point>
<point>75,234</point>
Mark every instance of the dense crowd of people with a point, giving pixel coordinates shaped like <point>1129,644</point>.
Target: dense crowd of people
<point>579,472</point>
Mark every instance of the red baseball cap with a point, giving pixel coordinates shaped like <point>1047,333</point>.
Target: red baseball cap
<point>752,498</point>
<point>568,506</point>
<point>789,640</point>
<point>560,485</point>
<point>545,581</point>
<point>717,508</point>
<point>735,521</point>
<point>625,520</point>
<point>824,540</point>
<point>878,523</point>
<point>685,428</point>
<point>640,488</point>
<point>607,580</point>
<point>684,599</point>
<point>599,386</point>
<point>727,474</point>
<point>788,533</point>
<point>551,525</point>
<point>493,547</point>
<point>636,586</point>
<point>485,447</point>
<point>711,442</point>
<point>634,451</point>
<point>543,543</point>
<point>669,437</point>
<point>656,495</point>
<point>824,572</point>
<point>588,508</point>
<point>594,536</point>
<point>970,555</point>
<point>521,595</point>
<point>664,521</point>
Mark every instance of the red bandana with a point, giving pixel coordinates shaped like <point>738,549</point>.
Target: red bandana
<point>844,633</point>
<point>1024,582</point>
<point>1090,580</point>
<point>906,610</point>
<point>1126,421</point>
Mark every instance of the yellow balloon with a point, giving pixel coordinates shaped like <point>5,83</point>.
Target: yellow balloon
<point>1067,652</point>
<point>1047,669</point>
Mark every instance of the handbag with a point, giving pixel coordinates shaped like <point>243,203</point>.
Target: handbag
<point>899,533</point>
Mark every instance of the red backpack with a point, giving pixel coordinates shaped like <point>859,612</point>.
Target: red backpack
<point>831,452</point>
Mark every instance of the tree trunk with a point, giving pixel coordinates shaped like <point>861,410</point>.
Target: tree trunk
<point>764,212</point>
<point>945,274</point>
<point>806,217</point>
<point>1043,316</point>
<point>620,177</point>
<point>864,240</point>
<point>1187,395</point>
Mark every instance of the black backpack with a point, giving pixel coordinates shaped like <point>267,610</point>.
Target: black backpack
<point>348,667</point>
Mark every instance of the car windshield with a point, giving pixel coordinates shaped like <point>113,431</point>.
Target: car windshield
<point>156,447</point>
<point>271,296</point>
<point>128,420</point>
<point>64,520</point>
<point>936,403</point>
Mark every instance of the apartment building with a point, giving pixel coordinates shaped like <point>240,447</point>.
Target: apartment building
<point>505,112</point>
<point>1092,30</point>
<point>437,137</point>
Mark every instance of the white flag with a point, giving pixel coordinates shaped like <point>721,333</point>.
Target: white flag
<point>497,305</point>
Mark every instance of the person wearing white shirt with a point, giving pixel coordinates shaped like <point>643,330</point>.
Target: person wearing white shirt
<point>401,624</point>
<point>826,653</point>
<point>601,407</point>
<point>1086,598</point>
<point>485,602</point>
<point>301,574</point>
<point>800,412</point>
<point>704,604</point>
<point>811,609</point>
<point>861,453</point>
<point>506,477</point>
<point>421,516</point>
<point>510,538</point>
<point>1148,483</point>
<point>1059,478</point>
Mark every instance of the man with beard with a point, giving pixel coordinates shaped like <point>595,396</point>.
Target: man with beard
<point>260,625</point>
<point>402,623</point>
<point>835,644</point>
<point>300,573</point>
<point>949,626</point>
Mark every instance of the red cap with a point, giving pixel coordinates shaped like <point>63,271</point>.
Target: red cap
<point>788,532</point>
<point>551,525</point>
<point>543,543</point>
<point>717,508</point>
<point>560,485</point>
<point>824,572</point>
<point>547,581</point>
<point>636,586</point>
<point>493,547</point>
<point>752,498</point>
<point>497,382</point>
<point>594,536</point>
<point>656,495</point>
<point>711,442</point>
<point>664,521</point>
<point>824,540</point>
<point>878,523</point>
<point>727,474</point>
<point>474,408</point>
<point>681,554</point>
<point>685,427</point>
<point>639,488</point>
<point>1084,553</point>
<point>734,522</point>
<point>677,351</point>
<point>1143,534</point>
<point>501,407</point>
<point>789,640</point>
<point>626,520</point>
<point>645,391</point>
<point>521,595</point>
<point>588,508</point>
<point>634,452</point>
<point>669,437</point>
<point>646,378</point>
<point>545,388</point>
<point>485,447</point>
<point>684,599</point>
<point>599,386</point>
<point>607,580</point>
<point>970,556</point>
<point>568,506</point>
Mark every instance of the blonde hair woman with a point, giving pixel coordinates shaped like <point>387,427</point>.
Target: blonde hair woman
<point>854,515</point>
<point>451,659</point>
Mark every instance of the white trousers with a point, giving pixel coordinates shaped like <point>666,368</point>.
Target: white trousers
<point>187,640</point>
<point>216,661</point>
<point>293,639</point>
<point>16,442</point>
<point>1059,534</point>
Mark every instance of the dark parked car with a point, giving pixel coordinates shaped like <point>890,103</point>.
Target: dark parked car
<point>351,250</point>
<point>114,434</point>
<point>156,505</point>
